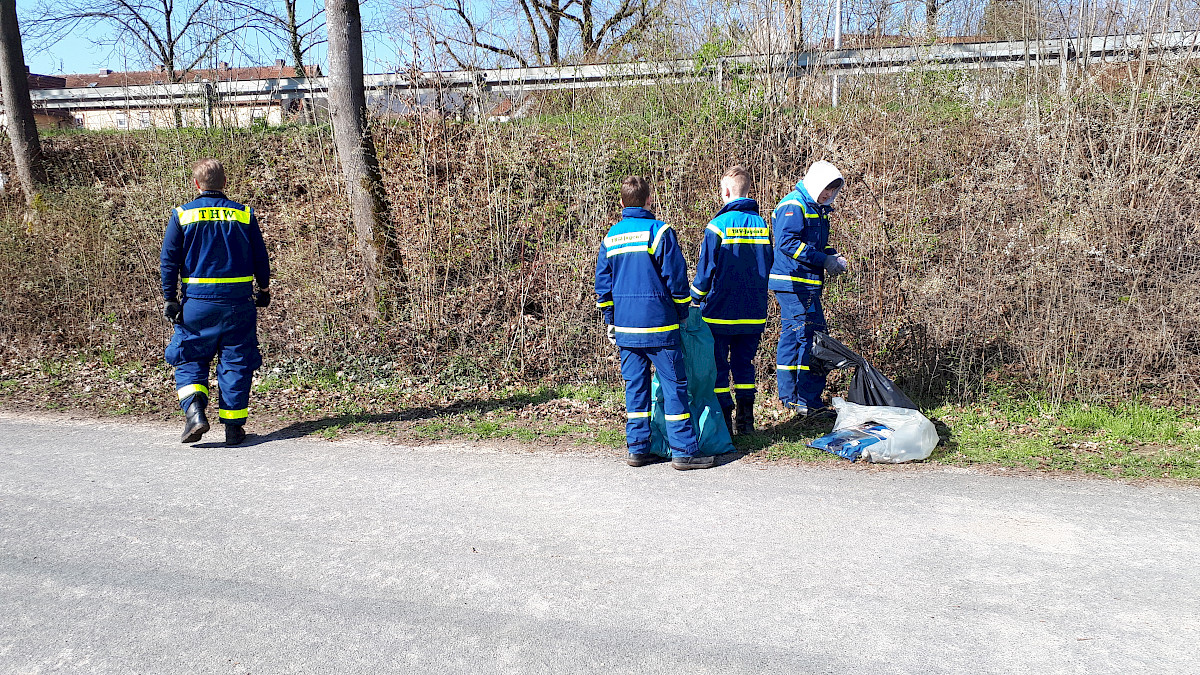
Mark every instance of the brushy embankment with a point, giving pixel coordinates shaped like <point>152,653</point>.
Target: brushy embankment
<point>1047,243</point>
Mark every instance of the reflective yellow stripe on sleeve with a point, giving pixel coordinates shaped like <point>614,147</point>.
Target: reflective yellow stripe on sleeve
<point>796,255</point>
<point>721,390</point>
<point>715,230</point>
<point>743,386</point>
<point>658,238</point>
<point>608,303</point>
<point>636,415</point>
<point>234,414</point>
<point>680,301</point>
<point>190,389</point>
<point>676,418</point>
<point>698,292</point>
<point>780,366</point>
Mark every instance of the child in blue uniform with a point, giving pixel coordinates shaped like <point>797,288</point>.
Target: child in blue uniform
<point>731,284</point>
<point>642,289</point>
<point>214,249</point>
<point>803,258</point>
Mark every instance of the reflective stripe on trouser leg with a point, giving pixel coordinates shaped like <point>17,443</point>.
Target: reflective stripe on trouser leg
<point>188,392</point>
<point>191,378</point>
<point>802,316</point>
<point>672,377</point>
<point>635,370</point>
<point>239,359</point>
<point>721,352</point>
<point>742,350</point>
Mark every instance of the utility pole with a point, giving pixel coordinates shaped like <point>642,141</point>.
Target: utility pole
<point>837,44</point>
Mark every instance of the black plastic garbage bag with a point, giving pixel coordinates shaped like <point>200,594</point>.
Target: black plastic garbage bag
<point>868,386</point>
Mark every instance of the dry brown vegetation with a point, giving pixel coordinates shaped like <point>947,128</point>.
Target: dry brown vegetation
<point>1023,237</point>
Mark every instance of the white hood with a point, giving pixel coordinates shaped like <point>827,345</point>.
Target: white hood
<point>819,176</point>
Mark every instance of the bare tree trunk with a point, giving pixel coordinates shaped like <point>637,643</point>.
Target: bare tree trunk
<point>931,16</point>
<point>355,147</point>
<point>795,24</point>
<point>294,39</point>
<point>22,128</point>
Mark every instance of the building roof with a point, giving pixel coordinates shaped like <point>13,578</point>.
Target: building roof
<point>222,73</point>
<point>44,81</point>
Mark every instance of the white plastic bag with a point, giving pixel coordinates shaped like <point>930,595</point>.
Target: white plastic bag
<point>913,435</point>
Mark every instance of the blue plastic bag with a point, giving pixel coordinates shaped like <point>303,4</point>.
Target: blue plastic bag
<point>701,367</point>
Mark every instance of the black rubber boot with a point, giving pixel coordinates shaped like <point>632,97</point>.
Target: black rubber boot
<point>234,434</point>
<point>745,416</point>
<point>689,463</point>
<point>728,414</point>
<point>196,423</point>
<point>639,459</point>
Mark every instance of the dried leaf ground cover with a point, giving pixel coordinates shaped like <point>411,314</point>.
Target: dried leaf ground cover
<point>1127,441</point>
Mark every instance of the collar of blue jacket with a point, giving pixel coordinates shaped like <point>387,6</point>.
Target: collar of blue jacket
<point>636,212</point>
<point>744,205</point>
<point>212,193</point>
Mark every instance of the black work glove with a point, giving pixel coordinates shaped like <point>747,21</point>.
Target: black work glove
<point>173,311</point>
<point>262,298</point>
<point>835,264</point>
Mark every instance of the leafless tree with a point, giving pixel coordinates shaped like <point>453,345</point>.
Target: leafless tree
<point>22,128</point>
<point>175,35</point>
<point>299,26</point>
<point>355,146</point>
<point>533,32</point>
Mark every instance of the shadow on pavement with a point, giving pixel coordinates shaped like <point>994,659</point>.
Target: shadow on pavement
<point>309,427</point>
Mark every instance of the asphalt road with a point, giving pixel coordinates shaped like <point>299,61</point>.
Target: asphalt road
<point>123,551</point>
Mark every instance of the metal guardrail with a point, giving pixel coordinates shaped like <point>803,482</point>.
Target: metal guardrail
<point>883,60</point>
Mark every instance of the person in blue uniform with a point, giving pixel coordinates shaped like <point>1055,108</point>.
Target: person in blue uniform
<point>642,290</point>
<point>731,288</point>
<point>803,260</point>
<point>214,251</point>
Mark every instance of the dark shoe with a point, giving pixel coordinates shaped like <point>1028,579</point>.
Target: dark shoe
<point>728,414</point>
<point>643,460</point>
<point>745,417</point>
<point>686,463</point>
<point>234,434</point>
<point>196,423</point>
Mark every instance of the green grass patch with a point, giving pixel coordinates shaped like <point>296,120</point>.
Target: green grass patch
<point>1126,441</point>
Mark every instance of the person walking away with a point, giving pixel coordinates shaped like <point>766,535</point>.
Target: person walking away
<point>731,287</point>
<point>642,290</point>
<point>214,250</point>
<point>803,260</point>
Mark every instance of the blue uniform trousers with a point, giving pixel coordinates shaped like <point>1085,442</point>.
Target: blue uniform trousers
<point>735,354</point>
<point>800,381</point>
<point>211,329</point>
<point>672,377</point>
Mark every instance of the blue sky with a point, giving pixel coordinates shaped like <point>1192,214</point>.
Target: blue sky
<point>78,53</point>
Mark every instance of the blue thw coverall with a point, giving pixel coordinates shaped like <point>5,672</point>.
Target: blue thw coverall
<point>731,282</point>
<point>214,248</point>
<point>801,245</point>
<point>642,289</point>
